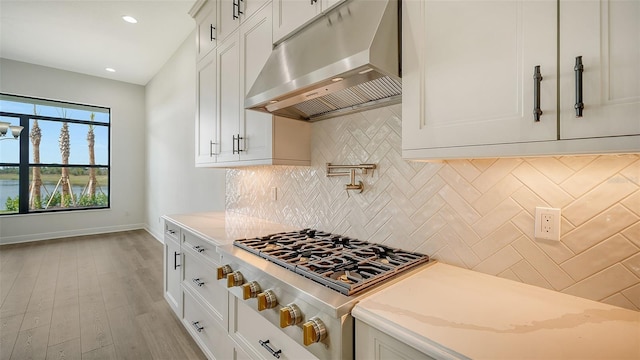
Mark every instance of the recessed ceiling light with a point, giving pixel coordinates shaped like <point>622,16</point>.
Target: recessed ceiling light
<point>365,71</point>
<point>337,79</point>
<point>110,69</point>
<point>273,101</point>
<point>129,19</point>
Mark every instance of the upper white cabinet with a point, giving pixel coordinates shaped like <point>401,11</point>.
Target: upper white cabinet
<point>228,99</point>
<point>231,13</point>
<point>291,15</point>
<point>206,36</point>
<point>606,34</point>
<point>248,136</point>
<point>469,83</point>
<point>206,125</point>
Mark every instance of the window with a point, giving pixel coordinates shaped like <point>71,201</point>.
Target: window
<point>60,162</point>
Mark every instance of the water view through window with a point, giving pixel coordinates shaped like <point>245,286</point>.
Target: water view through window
<point>61,159</point>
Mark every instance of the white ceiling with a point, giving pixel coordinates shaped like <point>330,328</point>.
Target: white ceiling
<point>87,36</point>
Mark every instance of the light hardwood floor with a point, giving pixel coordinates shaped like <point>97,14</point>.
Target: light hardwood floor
<point>91,297</point>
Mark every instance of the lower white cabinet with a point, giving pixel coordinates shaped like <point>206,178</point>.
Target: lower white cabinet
<point>200,279</point>
<point>256,335</point>
<point>374,344</point>
<point>205,330</point>
<point>172,267</point>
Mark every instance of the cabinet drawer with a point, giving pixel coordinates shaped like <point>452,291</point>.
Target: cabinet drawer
<point>211,337</point>
<point>249,329</point>
<point>201,279</point>
<point>171,230</point>
<point>205,250</point>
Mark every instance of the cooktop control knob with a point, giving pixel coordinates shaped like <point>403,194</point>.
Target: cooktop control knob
<point>313,331</point>
<point>290,315</point>
<point>234,279</point>
<point>250,290</point>
<point>223,271</point>
<point>267,300</point>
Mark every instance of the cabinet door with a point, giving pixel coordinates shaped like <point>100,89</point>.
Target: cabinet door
<point>250,7</point>
<point>468,72</point>
<point>206,136</point>
<point>373,344</point>
<point>228,18</point>
<point>172,273</point>
<point>255,42</point>
<point>206,29</point>
<point>228,58</point>
<point>290,15</point>
<point>607,35</point>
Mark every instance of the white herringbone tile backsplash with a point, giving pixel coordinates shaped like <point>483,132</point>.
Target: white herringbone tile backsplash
<point>476,214</point>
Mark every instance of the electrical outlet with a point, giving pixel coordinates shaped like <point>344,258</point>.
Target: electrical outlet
<point>547,223</point>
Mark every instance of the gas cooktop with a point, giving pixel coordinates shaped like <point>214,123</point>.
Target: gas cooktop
<point>339,262</point>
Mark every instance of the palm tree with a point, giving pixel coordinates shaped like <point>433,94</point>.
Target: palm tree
<point>92,161</point>
<point>63,142</point>
<point>36,184</point>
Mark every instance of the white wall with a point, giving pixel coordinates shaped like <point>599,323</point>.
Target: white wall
<point>127,151</point>
<point>173,183</point>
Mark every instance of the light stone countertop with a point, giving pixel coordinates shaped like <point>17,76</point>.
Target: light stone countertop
<point>222,228</point>
<point>448,311</point>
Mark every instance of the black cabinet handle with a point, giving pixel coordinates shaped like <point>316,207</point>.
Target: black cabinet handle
<point>213,28</point>
<point>236,139</point>
<point>537,77</point>
<point>198,248</point>
<point>275,353</point>
<point>578,69</point>
<point>175,260</point>
<point>313,1</point>
<point>198,282</point>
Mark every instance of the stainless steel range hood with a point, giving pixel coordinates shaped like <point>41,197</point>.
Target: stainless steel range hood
<point>348,60</point>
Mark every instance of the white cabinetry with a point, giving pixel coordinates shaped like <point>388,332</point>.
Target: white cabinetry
<point>232,13</point>
<point>472,92</point>
<point>193,292</point>
<point>606,34</point>
<point>373,344</point>
<point>250,331</point>
<point>227,135</point>
<point>208,334</point>
<point>291,15</point>
<point>206,37</point>
<point>246,136</point>
<point>172,267</point>
<point>206,125</point>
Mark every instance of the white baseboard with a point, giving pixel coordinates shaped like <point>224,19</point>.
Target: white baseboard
<point>69,233</point>
<point>159,237</point>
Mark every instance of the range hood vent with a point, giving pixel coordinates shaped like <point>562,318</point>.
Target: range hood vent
<point>346,61</point>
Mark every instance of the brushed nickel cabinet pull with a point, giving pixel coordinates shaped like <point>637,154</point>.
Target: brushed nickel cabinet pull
<point>196,325</point>
<point>275,353</point>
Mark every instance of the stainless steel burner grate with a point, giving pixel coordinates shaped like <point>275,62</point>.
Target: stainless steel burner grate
<point>339,262</point>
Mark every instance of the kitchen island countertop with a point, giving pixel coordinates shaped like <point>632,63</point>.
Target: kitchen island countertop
<point>222,228</point>
<point>446,310</point>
